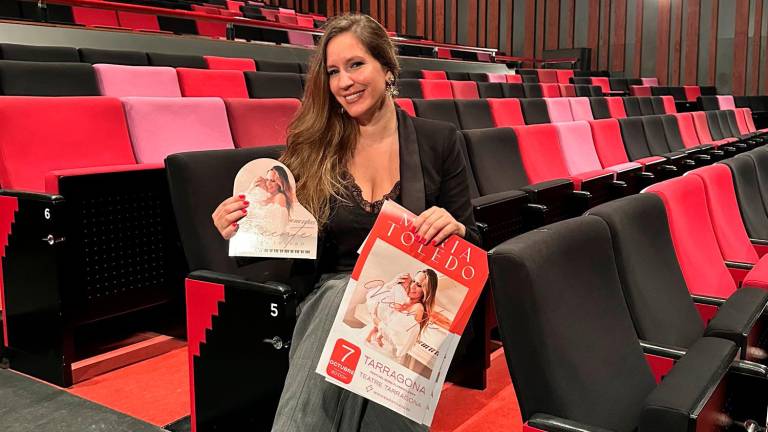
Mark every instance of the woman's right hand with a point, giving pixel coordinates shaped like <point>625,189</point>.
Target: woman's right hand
<point>227,214</point>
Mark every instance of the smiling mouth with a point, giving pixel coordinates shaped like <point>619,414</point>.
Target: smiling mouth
<point>354,97</point>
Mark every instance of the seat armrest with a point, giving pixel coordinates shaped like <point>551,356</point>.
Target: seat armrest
<point>550,423</point>
<point>661,350</point>
<point>761,246</point>
<point>676,403</point>
<point>545,191</point>
<point>737,316</point>
<point>711,301</point>
<point>52,177</point>
<point>275,289</point>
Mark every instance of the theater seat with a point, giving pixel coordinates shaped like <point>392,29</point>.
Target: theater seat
<point>277,66</point>
<point>691,93</point>
<point>163,126</point>
<point>559,110</point>
<point>564,76</point>
<point>581,108</point>
<point>599,107</point>
<point>567,90</point>
<point>433,75</point>
<point>230,63</point>
<point>489,90</point>
<point>438,109</point>
<point>750,198</point>
<point>26,78</point>
<point>616,107</point>
<point>436,89</point>
<point>506,112</point>
<point>510,90</point>
<point>212,83</point>
<point>177,60</point>
<point>138,21</point>
<point>514,79</point>
<point>535,111</point>
<point>270,85</point>
<point>464,90</point>
<point>260,122</point>
<point>474,114</point>
<point>154,81</point>
<point>406,105</point>
<point>93,17</point>
<point>117,57</point>
<point>532,91</point>
<point>38,53</point>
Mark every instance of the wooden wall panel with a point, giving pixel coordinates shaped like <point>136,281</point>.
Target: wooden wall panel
<point>712,67</point>
<point>454,23</point>
<point>605,34</point>
<point>676,18</point>
<point>662,49</point>
<point>539,31</point>
<point>691,47</point>
<point>482,21</point>
<point>618,34</point>
<point>493,24</point>
<point>529,30</point>
<point>569,13</point>
<point>510,25</point>
<point>471,15</point>
<point>754,79</point>
<point>594,25</point>
<point>439,20</point>
<point>420,18</point>
<point>740,47</point>
<point>428,31</point>
<point>552,23</point>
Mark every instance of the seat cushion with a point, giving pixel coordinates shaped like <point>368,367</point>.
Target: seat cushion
<point>758,276</point>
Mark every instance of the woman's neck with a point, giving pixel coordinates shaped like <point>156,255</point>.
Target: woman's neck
<point>381,125</point>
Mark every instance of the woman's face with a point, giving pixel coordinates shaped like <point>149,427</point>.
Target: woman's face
<point>418,284</point>
<point>273,182</point>
<point>357,80</point>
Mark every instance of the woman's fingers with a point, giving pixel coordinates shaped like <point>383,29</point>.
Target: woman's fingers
<point>228,212</point>
<point>435,225</point>
<point>230,231</point>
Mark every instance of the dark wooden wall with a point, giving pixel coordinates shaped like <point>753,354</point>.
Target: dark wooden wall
<point>705,42</point>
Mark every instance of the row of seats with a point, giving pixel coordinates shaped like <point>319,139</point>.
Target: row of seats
<point>450,89</point>
<point>460,76</point>
<point>680,93</point>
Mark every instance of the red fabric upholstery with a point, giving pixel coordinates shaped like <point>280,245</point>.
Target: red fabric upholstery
<point>444,53</point>
<point>506,112</point>
<point>42,134</point>
<point>464,90</point>
<point>260,122</point>
<point>287,19</point>
<point>724,210</point>
<point>514,79</point>
<point>559,110</point>
<point>603,83</point>
<point>578,149</point>
<point>741,120</point>
<point>616,107</point>
<point>547,75</point>
<point>212,29</point>
<point>758,276</point>
<point>567,90</point>
<point>550,90</point>
<point>580,108</point>
<point>541,153</point>
<point>695,243</point>
<point>750,121</point>
<point>687,130</point>
<point>95,17</point>
<point>726,102</point>
<point>692,92</point>
<point>230,63</point>
<point>138,21</point>
<point>436,89</point>
<point>564,76</point>
<point>653,82</point>
<point>606,135</point>
<point>407,106</point>
<point>637,90</point>
<point>217,83</point>
<point>669,104</point>
<point>702,126</point>
<point>433,75</point>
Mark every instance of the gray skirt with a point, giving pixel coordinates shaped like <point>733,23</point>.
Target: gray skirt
<point>309,403</point>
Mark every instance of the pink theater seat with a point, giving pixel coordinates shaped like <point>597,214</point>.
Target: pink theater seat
<point>692,92</point>
<point>567,90</point>
<point>406,105</point>
<point>269,14</point>
<point>725,102</point>
<point>550,90</point>
<point>636,90</point>
<point>163,126</point>
<point>559,110</point>
<point>95,17</point>
<point>578,148</point>
<point>287,19</point>
<point>669,104</point>
<point>210,10</point>
<point>506,112</point>
<point>300,38</point>
<point>564,76</point>
<point>497,77</point>
<point>580,108</point>
<point>305,21</point>
<point>433,75</point>
<point>616,107</point>
<point>464,90</point>
<point>138,21</point>
<point>436,89</point>
<point>687,130</point>
<point>78,132</point>
<point>547,76</point>
<point>260,122</point>
<point>120,81</point>
<point>286,11</point>
<point>211,29</point>
<point>230,63</point>
<point>514,79</point>
<point>217,83</point>
<point>653,82</point>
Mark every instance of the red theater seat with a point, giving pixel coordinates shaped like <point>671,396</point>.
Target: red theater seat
<point>550,90</point>
<point>547,76</point>
<point>464,90</point>
<point>95,17</point>
<point>606,135</point>
<point>669,104</point>
<point>433,75</point>
<point>506,112</point>
<point>514,79</point>
<point>260,122</point>
<point>230,63</point>
<point>636,90</point>
<point>436,89</point>
<point>564,76</point>
<point>406,105</point>
<point>212,29</point>
<point>616,107</point>
<point>218,83</point>
<point>138,21</point>
<point>692,93</point>
<point>567,90</point>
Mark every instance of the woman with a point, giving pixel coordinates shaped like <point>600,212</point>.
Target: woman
<point>349,149</point>
<point>272,196</point>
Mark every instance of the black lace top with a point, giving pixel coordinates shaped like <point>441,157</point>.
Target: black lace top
<point>349,223</point>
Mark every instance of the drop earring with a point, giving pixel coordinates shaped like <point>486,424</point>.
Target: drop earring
<point>391,89</point>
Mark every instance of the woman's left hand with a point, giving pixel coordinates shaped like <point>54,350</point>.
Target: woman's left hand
<point>434,225</point>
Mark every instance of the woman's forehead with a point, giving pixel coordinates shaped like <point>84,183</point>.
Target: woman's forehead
<point>343,47</point>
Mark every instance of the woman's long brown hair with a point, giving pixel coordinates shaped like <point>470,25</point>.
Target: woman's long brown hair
<point>321,139</point>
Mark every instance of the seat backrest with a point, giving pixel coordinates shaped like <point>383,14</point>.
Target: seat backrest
<point>687,129</point>
<point>578,148</point>
<point>749,119</point>
<point>640,90</point>
<point>464,90</point>
<point>559,110</point>
<point>658,104</point>
<point>564,76</point>
<point>277,66</point>
<point>646,105</point>
<point>230,63</point>
<point>724,212</point>
<point>725,102</point>
<point>513,91</point>
<point>95,17</point>
<point>260,122</point>
<point>633,135</point>
<point>616,107</point>
<point>409,74</point>
<point>474,114</point>
<point>602,82</point>
<point>606,135</point>
<point>406,105</point>
<point>599,107</point>
<point>527,277</point>
<point>436,89</point>
<point>506,112</point>
<point>490,90</point>
<point>660,90</point>
<point>38,53</point>
<point>177,25</point>
<point>496,77</point>
<point>492,151</point>
<point>728,118</point>
<point>433,74</point>
<point>702,126</point>
<point>632,106</point>
<point>580,108</point>
<point>270,85</point>
<point>759,158</point>
<point>583,90</point>
<point>542,154</point>
<point>672,132</point>
<point>212,83</point>
<point>749,196</point>
<point>153,81</point>
<point>535,111</point>
<point>655,136</point>
<point>708,103</point>
<point>550,90</point>
<point>567,90</point>
<point>177,60</point>
<point>26,78</point>
<point>514,79</point>
<point>163,126</point>
<point>547,75</point>
<point>618,84</point>
<point>582,80</point>
<point>532,91</point>
<point>458,76</point>
<point>741,121</point>
<point>117,57</point>
<point>650,81</point>
<point>691,93</point>
<point>713,120</point>
<point>138,21</point>
<point>42,134</point>
<point>668,103</point>
<point>651,279</point>
<point>438,109</point>
<point>677,93</point>
<point>409,88</point>
<point>529,79</point>
<point>695,243</point>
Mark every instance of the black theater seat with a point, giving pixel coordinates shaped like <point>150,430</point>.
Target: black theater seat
<point>128,58</point>
<point>177,25</point>
<point>458,76</point>
<point>490,90</point>
<point>535,111</point>
<point>707,103</point>
<point>410,88</point>
<point>532,91</point>
<point>437,109</point>
<point>38,53</point>
<point>474,114</point>
<point>263,85</point>
<point>19,78</point>
<point>10,9</point>
<point>514,90</point>
<point>177,60</point>
<point>410,74</point>
<point>275,66</point>
<point>748,193</point>
<point>599,108</point>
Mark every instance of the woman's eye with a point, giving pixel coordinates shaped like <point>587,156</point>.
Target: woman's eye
<point>332,72</point>
<point>357,64</point>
